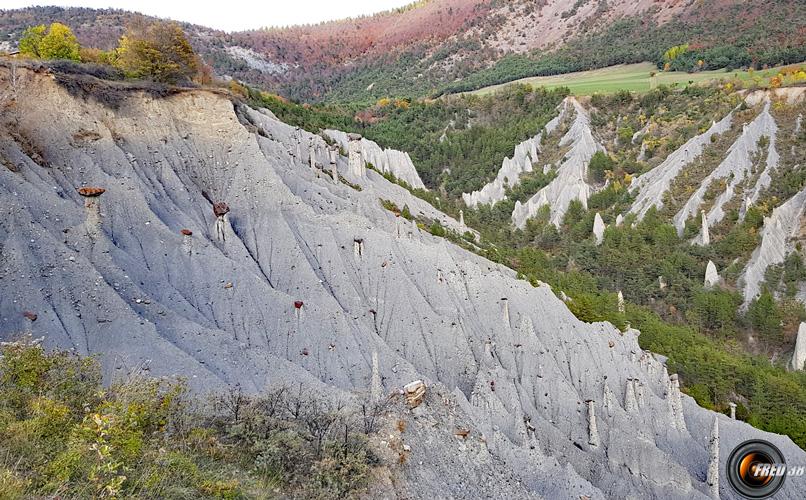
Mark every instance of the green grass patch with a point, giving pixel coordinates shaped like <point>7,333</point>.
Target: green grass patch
<point>632,77</point>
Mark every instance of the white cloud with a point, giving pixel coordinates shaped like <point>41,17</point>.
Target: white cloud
<point>233,15</point>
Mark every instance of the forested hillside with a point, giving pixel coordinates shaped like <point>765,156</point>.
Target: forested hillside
<point>439,46</point>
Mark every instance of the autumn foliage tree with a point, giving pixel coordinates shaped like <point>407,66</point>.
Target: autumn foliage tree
<point>54,42</point>
<point>158,51</point>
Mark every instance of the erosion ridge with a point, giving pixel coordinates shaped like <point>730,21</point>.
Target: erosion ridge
<point>778,238</point>
<point>736,166</point>
<point>304,278</point>
<point>526,154</point>
<point>651,187</point>
<point>571,182</point>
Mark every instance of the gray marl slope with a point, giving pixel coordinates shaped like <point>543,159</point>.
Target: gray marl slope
<point>495,351</point>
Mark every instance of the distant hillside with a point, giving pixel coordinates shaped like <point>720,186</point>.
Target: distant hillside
<point>437,46</point>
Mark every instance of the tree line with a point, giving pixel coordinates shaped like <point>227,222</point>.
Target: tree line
<point>157,51</point>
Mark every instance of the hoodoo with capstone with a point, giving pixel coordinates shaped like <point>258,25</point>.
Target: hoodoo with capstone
<point>220,210</point>
<point>187,241</point>
<point>355,157</point>
<point>92,208</point>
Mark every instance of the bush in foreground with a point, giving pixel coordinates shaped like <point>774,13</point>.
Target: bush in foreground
<point>63,434</point>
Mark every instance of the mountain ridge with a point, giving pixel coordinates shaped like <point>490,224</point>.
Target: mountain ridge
<point>454,45</point>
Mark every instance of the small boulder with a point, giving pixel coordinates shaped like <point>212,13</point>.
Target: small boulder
<point>415,393</point>
<point>220,209</point>
<point>91,192</point>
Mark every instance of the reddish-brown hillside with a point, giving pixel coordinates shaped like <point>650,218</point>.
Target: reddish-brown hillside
<point>341,41</point>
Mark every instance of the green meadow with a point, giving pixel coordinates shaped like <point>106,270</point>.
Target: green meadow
<point>633,77</point>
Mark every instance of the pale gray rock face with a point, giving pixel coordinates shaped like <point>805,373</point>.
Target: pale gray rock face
<point>355,156</point>
<point>257,61</point>
<point>653,185</point>
<point>777,241</point>
<point>711,275</point>
<point>523,159</point>
<point>598,228</point>
<point>737,165</point>
<point>799,356</point>
<point>571,182</point>
<point>284,297</point>
<point>392,161</point>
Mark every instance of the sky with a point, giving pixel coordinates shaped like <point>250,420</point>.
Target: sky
<point>232,15</point>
